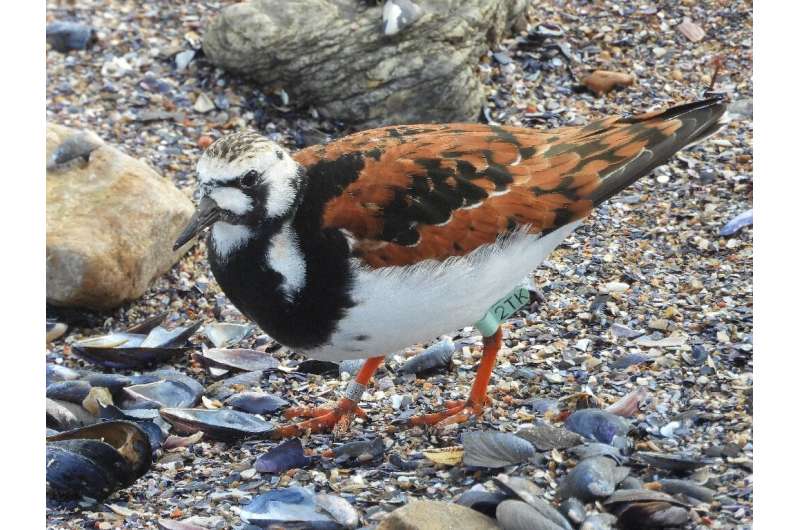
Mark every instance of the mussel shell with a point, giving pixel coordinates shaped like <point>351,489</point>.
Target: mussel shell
<point>72,391</point>
<point>113,382</point>
<point>96,460</point>
<point>127,358</point>
<point>63,415</point>
<point>598,425</point>
<point>71,475</point>
<point>518,515</point>
<point>597,449</point>
<point>224,334</point>
<point>651,515</point>
<point>256,402</point>
<point>160,394</point>
<point>125,437</point>
<point>528,492</point>
<point>687,488</point>
<point>293,507</point>
<point>170,374</point>
<point>573,510</point>
<point>642,495</point>
<point>360,451</point>
<point>112,412</point>
<point>56,373</point>
<point>494,449</point>
<point>169,338</point>
<point>220,424</point>
<point>546,437</point>
<point>283,457</point>
<point>485,502</point>
<point>436,357</point>
<point>338,508</point>
<point>227,387</point>
<point>593,478</point>
<point>147,325</point>
<point>671,462</point>
<point>238,359</point>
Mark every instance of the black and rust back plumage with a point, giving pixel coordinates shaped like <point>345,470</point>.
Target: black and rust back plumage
<point>411,193</point>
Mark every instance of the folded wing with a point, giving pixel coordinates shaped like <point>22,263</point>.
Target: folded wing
<point>410,193</point>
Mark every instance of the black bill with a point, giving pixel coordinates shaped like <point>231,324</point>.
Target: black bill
<point>207,212</point>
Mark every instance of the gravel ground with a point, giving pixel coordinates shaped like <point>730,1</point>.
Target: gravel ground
<point>652,259</point>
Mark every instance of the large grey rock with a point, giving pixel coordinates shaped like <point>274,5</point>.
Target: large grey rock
<point>424,515</point>
<point>111,222</point>
<point>334,55</point>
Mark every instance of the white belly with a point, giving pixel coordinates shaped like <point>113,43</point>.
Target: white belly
<point>399,307</point>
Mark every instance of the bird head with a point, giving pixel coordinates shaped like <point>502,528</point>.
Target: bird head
<point>245,181</point>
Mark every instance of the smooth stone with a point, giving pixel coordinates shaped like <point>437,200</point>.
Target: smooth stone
<point>111,223</point>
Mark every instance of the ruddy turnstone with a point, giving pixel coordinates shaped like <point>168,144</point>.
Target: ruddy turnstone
<point>394,236</point>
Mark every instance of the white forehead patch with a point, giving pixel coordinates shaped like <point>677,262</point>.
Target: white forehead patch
<point>285,257</point>
<point>228,237</point>
<point>231,199</point>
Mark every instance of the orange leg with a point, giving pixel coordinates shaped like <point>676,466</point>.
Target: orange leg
<point>460,411</point>
<point>326,419</point>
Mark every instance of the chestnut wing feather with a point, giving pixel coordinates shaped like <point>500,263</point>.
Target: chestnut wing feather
<point>405,194</point>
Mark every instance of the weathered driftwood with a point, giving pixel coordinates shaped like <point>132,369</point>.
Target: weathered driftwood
<point>333,54</point>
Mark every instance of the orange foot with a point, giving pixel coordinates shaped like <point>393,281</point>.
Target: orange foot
<point>455,412</point>
<point>322,419</point>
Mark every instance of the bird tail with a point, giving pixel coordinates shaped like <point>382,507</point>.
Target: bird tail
<point>662,134</point>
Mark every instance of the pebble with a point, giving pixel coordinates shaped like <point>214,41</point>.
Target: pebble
<point>203,104</point>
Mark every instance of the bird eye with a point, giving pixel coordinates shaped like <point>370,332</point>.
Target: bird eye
<point>249,179</point>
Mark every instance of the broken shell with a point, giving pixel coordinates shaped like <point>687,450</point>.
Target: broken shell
<point>96,460</point>
<point>338,508</point>
<point>219,424</point>
<point>518,515</point>
<point>224,334</point>
<point>599,425</point>
<point>238,359</point>
<point>546,437</point>
<point>62,415</point>
<point>495,449</point>
<point>676,462</point>
<point>687,488</point>
<point>96,398</point>
<point>57,373</point>
<point>288,455</point>
<point>256,402</point>
<point>737,223</point>
<point>435,357</point>
<point>597,449</point>
<point>628,405</point>
<point>293,507</point>
<point>593,478</point>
